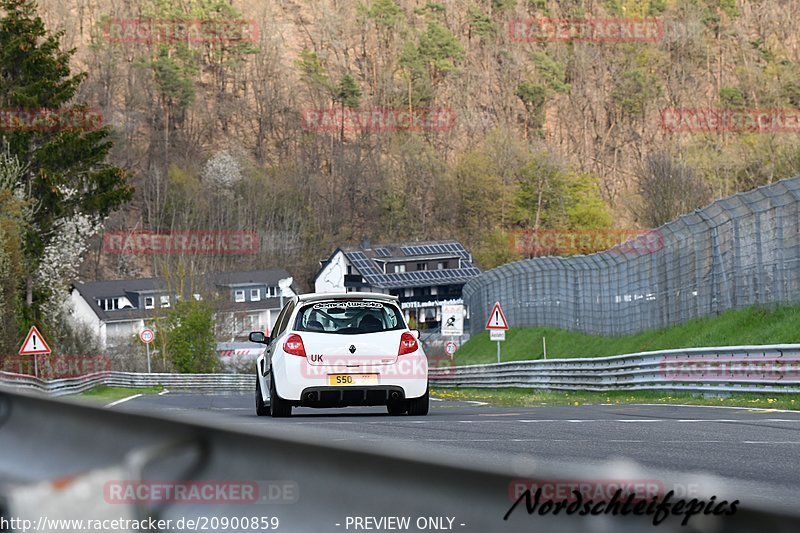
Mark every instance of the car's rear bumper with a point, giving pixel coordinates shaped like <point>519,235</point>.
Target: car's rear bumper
<point>295,378</point>
<point>350,396</point>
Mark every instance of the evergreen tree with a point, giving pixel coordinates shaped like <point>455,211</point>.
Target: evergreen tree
<point>65,167</point>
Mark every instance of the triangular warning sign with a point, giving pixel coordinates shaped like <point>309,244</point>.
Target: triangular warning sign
<point>34,343</point>
<point>497,320</point>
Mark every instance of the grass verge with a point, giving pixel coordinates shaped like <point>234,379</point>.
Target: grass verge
<point>753,325</point>
<point>535,398</point>
<point>102,392</point>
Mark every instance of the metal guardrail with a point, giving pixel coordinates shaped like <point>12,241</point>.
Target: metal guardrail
<point>759,369</point>
<point>755,369</point>
<point>65,386</point>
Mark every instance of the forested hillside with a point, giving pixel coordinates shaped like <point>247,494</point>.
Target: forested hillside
<point>544,134</point>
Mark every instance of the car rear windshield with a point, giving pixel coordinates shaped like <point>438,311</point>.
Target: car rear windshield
<point>347,317</point>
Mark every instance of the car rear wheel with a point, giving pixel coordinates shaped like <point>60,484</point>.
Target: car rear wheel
<point>419,406</point>
<point>279,408</point>
<point>262,409</point>
<point>397,408</point>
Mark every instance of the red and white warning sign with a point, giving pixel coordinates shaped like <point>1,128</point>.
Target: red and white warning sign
<point>450,348</point>
<point>147,335</point>
<point>497,320</point>
<point>34,343</point>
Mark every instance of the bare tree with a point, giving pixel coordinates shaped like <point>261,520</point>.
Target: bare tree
<point>668,188</point>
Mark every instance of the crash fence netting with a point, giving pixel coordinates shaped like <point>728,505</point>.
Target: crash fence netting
<point>737,252</point>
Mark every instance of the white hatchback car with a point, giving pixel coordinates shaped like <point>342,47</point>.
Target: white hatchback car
<point>338,350</point>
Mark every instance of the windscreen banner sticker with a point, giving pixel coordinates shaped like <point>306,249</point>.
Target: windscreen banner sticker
<point>362,304</point>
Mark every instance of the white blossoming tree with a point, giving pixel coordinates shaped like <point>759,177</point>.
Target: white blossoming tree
<point>222,171</point>
<point>61,261</point>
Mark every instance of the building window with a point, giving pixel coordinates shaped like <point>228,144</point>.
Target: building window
<point>399,268</point>
<point>422,266</point>
<point>408,292</point>
<point>272,292</point>
<point>434,291</point>
<point>255,295</point>
<point>238,296</point>
<point>108,304</point>
<point>349,270</point>
<point>165,301</point>
<point>441,265</point>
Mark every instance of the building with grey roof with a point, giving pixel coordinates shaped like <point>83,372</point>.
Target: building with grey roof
<point>424,275</point>
<point>244,301</point>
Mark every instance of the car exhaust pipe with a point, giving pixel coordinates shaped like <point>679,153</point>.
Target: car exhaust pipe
<point>394,395</point>
<point>310,396</point>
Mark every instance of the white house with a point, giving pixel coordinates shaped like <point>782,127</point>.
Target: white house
<point>424,275</point>
<point>119,309</point>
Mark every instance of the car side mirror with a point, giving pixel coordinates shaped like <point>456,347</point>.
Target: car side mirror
<point>415,332</point>
<point>258,336</point>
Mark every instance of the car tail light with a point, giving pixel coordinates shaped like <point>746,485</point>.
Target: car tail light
<point>408,343</point>
<point>294,345</point>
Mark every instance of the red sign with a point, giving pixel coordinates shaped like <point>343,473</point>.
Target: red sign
<point>147,335</point>
<point>34,344</point>
<point>497,320</point>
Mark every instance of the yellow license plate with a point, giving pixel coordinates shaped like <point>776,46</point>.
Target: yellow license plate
<point>344,380</point>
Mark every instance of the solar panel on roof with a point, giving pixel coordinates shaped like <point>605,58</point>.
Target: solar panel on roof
<point>368,269</point>
<point>382,252</point>
<point>431,249</point>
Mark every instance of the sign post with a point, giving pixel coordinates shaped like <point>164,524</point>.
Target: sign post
<point>34,345</point>
<point>452,325</point>
<point>147,336</point>
<point>497,326</point>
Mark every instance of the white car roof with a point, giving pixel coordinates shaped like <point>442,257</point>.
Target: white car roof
<point>318,296</point>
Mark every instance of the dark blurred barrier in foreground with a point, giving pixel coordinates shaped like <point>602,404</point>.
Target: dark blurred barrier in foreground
<point>64,460</point>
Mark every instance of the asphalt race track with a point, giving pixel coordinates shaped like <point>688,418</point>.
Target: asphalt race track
<point>754,452</point>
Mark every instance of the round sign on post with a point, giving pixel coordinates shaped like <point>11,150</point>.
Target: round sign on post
<point>450,348</point>
<point>147,335</point>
